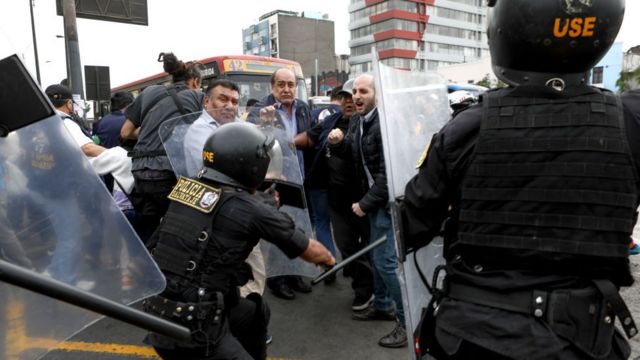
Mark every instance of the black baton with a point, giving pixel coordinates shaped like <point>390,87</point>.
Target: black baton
<point>18,276</point>
<point>349,260</point>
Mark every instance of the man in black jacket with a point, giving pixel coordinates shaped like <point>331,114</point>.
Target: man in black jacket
<point>363,142</point>
<point>350,231</point>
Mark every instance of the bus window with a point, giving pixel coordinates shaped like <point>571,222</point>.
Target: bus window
<point>302,91</point>
<point>259,86</point>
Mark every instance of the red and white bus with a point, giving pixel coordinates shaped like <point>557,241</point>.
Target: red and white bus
<point>251,73</point>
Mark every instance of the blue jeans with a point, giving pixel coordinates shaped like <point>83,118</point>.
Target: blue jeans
<point>386,285</point>
<point>65,217</point>
<point>319,199</point>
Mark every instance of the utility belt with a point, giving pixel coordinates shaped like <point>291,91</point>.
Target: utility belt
<point>146,153</point>
<point>204,318</point>
<point>585,317</point>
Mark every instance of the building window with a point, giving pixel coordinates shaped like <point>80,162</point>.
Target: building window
<point>455,14</point>
<point>453,32</point>
<point>361,68</point>
<point>401,63</point>
<point>385,44</point>
<point>469,2</point>
<point>597,77</point>
<point>383,26</point>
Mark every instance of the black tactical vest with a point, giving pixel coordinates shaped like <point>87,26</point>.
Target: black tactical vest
<point>550,175</point>
<point>185,251</point>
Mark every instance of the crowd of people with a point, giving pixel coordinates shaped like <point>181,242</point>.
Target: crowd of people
<point>345,194</point>
<point>520,218</point>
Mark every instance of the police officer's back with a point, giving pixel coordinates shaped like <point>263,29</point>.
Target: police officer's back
<point>539,184</point>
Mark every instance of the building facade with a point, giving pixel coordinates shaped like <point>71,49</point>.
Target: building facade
<point>607,72</point>
<point>417,34</point>
<point>308,38</point>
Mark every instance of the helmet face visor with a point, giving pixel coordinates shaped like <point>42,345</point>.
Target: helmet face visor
<point>276,164</point>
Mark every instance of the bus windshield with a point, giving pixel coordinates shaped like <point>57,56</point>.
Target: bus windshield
<point>257,87</point>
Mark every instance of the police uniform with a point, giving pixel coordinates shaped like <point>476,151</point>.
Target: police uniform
<point>540,186</point>
<point>201,247</point>
<point>539,191</point>
<point>151,169</point>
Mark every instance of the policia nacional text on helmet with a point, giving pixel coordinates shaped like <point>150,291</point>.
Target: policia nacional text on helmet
<point>212,224</point>
<point>538,185</point>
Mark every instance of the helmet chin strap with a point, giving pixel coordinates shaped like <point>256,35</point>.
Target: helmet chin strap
<point>558,82</point>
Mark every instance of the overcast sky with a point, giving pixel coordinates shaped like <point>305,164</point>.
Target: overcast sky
<point>192,29</point>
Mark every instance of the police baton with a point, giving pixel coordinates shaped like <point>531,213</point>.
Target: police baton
<point>47,286</point>
<point>349,260</point>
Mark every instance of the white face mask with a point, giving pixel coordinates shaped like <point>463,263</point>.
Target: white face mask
<point>70,107</point>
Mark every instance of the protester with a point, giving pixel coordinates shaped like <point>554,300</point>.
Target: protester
<point>351,232</point>
<point>363,142</point>
<point>220,107</point>
<point>108,128</point>
<point>284,110</point>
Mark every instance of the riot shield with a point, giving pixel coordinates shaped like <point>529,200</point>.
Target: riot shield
<point>284,175</point>
<point>413,106</point>
<point>183,139</point>
<point>58,220</point>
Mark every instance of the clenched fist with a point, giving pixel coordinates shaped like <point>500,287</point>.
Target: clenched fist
<point>335,136</point>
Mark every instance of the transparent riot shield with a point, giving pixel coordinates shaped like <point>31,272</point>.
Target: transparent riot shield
<point>285,177</point>
<point>183,139</point>
<point>413,106</point>
<point>58,220</point>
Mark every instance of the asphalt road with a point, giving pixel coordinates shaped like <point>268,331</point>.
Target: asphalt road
<point>314,326</point>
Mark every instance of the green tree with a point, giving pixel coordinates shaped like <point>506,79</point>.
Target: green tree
<point>486,81</point>
<point>628,80</point>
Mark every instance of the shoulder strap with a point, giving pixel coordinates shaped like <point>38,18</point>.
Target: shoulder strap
<point>174,96</point>
<point>171,91</point>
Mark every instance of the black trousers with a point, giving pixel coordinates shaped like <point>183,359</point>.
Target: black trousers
<point>351,233</point>
<point>149,198</point>
<point>242,338</point>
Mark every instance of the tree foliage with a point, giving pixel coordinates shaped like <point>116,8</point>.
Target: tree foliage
<point>628,80</point>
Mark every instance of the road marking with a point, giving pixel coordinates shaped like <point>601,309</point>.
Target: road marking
<point>17,341</point>
<point>145,352</point>
<point>116,349</point>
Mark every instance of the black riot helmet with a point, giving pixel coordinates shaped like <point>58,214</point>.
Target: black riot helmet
<point>237,154</point>
<point>538,41</point>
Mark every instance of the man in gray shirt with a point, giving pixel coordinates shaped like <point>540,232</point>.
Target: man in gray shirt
<point>220,107</point>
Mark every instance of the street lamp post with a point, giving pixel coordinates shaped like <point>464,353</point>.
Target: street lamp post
<point>35,44</point>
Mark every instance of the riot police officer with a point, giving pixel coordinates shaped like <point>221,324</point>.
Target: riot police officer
<point>539,188</point>
<point>212,224</point>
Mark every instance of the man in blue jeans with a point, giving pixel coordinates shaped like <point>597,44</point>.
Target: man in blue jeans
<point>351,232</point>
<point>364,141</point>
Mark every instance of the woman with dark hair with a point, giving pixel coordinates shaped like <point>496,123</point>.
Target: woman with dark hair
<point>154,176</point>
